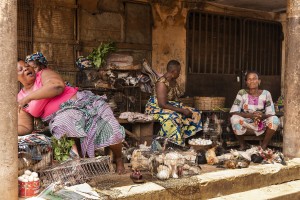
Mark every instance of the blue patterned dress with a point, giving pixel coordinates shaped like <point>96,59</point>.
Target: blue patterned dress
<point>174,125</point>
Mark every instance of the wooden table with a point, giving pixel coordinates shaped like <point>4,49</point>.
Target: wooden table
<point>141,130</point>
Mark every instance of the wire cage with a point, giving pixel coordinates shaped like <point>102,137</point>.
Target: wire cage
<point>211,121</point>
<point>77,171</point>
<point>34,152</point>
<point>25,161</point>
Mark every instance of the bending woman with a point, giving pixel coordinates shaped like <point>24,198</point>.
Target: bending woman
<point>69,112</point>
<point>253,109</point>
<point>177,121</point>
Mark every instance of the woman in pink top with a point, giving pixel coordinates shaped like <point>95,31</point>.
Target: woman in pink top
<point>69,112</point>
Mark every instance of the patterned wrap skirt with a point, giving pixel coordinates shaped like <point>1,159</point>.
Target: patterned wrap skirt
<point>89,118</point>
<point>174,125</point>
<point>241,124</point>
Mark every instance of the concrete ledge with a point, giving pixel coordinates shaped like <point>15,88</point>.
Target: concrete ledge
<point>210,185</point>
<point>290,191</point>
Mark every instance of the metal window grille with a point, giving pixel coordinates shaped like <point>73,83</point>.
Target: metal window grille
<point>219,44</point>
<point>262,46</point>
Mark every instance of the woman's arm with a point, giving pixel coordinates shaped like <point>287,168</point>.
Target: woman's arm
<point>53,85</point>
<point>161,92</point>
<point>257,115</point>
<point>25,123</point>
<point>242,114</point>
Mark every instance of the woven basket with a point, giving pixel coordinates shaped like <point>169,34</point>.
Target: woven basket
<point>187,101</point>
<point>209,103</point>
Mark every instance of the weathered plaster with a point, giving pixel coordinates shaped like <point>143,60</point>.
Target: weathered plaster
<point>291,135</point>
<point>8,104</point>
<point>169,37</point>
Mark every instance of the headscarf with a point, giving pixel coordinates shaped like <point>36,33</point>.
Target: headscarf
<point>37,56</point>
<point>83,63</point>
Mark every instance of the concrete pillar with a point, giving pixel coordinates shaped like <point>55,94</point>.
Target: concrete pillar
<point>291,138</point>
<point>8,104</point>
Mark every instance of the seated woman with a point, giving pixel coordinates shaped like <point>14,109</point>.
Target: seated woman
<point>177,121</point>
<point>69,112</point>
<point>253,109</point>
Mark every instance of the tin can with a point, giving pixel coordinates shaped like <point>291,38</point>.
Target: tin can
<point>29,189</point>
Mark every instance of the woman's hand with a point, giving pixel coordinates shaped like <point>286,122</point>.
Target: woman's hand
<point>187,113</point>
<point>25,123</point>
<point>23,103</point>
<point>257,116</point>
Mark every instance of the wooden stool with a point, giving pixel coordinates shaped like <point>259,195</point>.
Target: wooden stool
<point>250,135</point>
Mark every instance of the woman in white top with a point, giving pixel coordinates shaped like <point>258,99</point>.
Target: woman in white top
<point>253,109</point>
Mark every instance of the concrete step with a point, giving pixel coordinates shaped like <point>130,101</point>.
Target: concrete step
<point>286,191</point>
<point>212,184</point>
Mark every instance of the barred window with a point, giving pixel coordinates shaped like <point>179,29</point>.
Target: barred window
<point>219,44</point>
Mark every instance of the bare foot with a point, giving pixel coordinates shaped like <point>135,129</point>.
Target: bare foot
<point>120,169</point>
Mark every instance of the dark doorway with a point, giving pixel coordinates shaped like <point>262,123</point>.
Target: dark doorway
<point>220,49</point>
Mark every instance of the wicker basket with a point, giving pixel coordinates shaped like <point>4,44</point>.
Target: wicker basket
<point>187,101</point>
<point>209,103</point>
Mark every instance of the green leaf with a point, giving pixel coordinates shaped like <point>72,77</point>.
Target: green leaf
<point>61,148</point>
<point>65,157</point>
<point>98,55</point>
<point>57,151</point>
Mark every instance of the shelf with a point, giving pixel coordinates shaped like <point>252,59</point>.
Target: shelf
<point>107,89</point>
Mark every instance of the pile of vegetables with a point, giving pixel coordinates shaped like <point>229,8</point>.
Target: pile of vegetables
<point>99,54</point>
<point>61,148</point>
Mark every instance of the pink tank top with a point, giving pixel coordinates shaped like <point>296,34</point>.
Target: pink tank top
<point>45,107</point>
